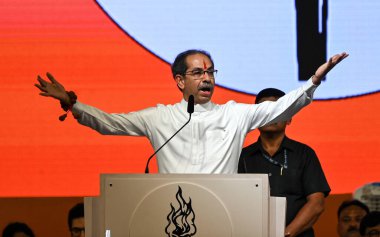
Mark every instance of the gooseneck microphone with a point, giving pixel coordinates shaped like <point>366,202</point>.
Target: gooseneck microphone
<point>190,105</point>
<point>190,110</point>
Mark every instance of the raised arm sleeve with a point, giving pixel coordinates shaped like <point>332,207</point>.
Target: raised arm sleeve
<point>130,124</point>
<point>284,108</point>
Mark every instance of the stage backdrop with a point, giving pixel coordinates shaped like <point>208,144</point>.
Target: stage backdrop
<point>117,57</point>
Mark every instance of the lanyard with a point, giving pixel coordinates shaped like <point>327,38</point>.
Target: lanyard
<point>284,165</point>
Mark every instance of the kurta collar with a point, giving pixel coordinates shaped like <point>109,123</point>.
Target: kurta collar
<point>199,107</point>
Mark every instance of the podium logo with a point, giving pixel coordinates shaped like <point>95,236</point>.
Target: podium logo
<point>181,219</point>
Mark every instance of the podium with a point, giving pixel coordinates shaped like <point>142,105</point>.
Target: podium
<point>184,205</point>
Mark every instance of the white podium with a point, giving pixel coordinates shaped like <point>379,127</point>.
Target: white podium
<point>184,205</point>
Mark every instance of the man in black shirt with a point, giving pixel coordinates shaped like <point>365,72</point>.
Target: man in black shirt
<point>294,172</point>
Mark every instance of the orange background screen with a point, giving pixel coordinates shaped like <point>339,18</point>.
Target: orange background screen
<point>88,53</point>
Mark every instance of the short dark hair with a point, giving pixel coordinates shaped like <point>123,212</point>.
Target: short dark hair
<point>370,220</point>
<point>269,92</point>
<point>75,212</point>
<point>353,202</point>
<point>17,227</point>
<point>179,65</point>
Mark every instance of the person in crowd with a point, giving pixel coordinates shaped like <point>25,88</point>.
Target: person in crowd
<point>75,221</point>
<point>350,214</point>
<point>293,168</point>
<point>370,225</point>
<point>17,229</point>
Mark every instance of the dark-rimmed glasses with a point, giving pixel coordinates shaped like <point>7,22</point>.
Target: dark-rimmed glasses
<point>198,73</point>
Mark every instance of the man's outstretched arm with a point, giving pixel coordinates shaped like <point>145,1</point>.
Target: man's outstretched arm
<point>131,124</point>
<point>287,106</point>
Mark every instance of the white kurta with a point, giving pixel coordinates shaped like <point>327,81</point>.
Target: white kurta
<point>211,142</point>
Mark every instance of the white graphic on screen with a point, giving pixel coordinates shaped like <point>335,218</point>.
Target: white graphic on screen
<point>254,43</point>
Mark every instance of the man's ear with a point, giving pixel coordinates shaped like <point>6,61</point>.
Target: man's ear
<point>180,80</point>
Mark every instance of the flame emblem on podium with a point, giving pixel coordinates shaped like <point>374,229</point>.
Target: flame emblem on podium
<point>181,220</point>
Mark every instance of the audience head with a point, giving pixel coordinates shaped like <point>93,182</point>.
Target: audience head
<point>370,225</point>
<point>264,94</point>
<point>17,229</point>
<point>350,213</point>
<point>76,220</point>
<point>271,94</point>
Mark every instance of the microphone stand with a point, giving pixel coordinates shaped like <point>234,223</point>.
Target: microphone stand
<point>190,110</point>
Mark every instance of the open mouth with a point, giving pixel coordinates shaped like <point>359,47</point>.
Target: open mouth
<point>206,88</point>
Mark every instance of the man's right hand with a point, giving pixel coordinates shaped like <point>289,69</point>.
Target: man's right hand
<point>52,89</point>
<point>327,66</point>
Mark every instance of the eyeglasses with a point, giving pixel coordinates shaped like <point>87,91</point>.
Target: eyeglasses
<point>76,232</point>
<point>198,73</point>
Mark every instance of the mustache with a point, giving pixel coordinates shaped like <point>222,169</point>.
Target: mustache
<point>205,86</point>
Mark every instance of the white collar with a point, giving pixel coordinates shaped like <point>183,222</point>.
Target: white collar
<point>199,107</point>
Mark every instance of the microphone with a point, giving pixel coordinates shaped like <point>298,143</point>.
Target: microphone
<point>190,105</point>
<point>190,110</point>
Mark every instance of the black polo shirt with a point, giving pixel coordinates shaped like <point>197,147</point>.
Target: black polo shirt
<point>304,175</point>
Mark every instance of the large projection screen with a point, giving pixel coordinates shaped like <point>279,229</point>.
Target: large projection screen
<point>116,55</point>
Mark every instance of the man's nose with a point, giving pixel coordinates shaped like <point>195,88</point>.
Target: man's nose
<point>354,224</point>
<point>205,76</point>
